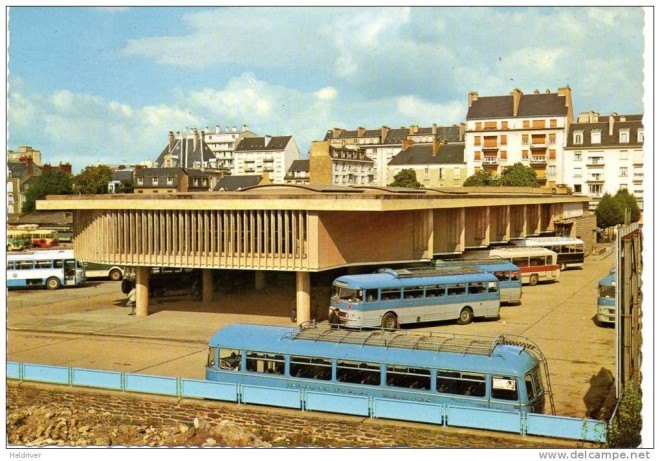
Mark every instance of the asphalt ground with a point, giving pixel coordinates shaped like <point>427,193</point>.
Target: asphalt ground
<point>94,330</point>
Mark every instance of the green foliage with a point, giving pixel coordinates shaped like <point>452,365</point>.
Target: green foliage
<point>50,183</point>
<point>93,180</point>
<point>518,175</point>
<point>608,212</point>
<point>625,428</point>
<point>629,206</point>
<point>125,187</point>
<point>406,178</point>
<point>481,178</point>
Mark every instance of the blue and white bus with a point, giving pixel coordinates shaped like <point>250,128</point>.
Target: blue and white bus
<point>504,372</point>
<point>606,307</point>
<point>51,269</point>
<point>390,298</point>
<point>507,273</point>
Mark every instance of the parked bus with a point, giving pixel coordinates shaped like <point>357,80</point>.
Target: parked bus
<point>51,269</point>
<point>106,271</point>
<point>506,372</point>
<point>18,240</point>
<point>390,298</point>
<point>44,238</point>
<point>606,307</point>
<point>507,273</point>
<point>536,264</point>
<point>570,251</point>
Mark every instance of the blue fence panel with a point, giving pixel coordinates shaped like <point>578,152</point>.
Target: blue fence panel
<point>151,384</point>
<point>565,427</point>
<point>209,390</point>
<point>408,411</point>
<point>483,418</point>
<point>46,373</point>
<point>14,370</point>
<point>347,404</point>
<point>96,378</point>
<point>288,398</point>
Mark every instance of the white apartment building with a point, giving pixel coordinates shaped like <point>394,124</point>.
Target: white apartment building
<point>526,128</point>
<point>298,173</point>
<point>223,142</point>
<point>604,154</point>
<point>265,154</point>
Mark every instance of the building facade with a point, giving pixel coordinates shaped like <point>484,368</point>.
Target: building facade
<point>223,142</point>
<point>604,154</point>
<point>436,165</point>
<point>265,154</point>
<point>170,180</point>
<point>186,150</point>
<point>339,166</point>
<point>298,173</point>
<point>526,128</point>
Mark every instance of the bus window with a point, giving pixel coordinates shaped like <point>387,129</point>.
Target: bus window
<point>210,360</point>
<point>358,372</point>
<point>492,287</point>
<point>520,262</point>
<point>455,289</point>
<point>347,294</point>
<point>230,359</point>
<point>454,382</point>
<point>606,291</point>
<point>24,265</point>
<point>548,260</point>
<point>10,265</point>
<point>515,275</point>
<point>372,294</point>
<point>435,291</point>
<point>261,362</point>
<point>413,292</point>
<point>312,368</point>
<point>476,288</point>
<point>43,265</point>
<point>504,388</point>
<point>537,261</point>
<point>58,264</point>
<point>529,385</point>
<point>389,294</point>
<point>413,378</point>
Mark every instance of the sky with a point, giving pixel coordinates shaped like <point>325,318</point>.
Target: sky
<point>90,85</point>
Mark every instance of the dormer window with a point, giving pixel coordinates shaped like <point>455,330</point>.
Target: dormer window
<point>170,180</point>
<point>624,136</point>
<point>640,135</point>
<point>595,137</point>
<point>140,180</point>
<point>578,137</point>
<point>154,181</point>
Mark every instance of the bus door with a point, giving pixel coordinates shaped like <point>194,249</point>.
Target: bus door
<point>70,272</point>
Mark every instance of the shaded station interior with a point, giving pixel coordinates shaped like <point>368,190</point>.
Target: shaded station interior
<point>308,235</point>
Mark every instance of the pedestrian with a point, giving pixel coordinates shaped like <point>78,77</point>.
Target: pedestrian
<point>131,301</point>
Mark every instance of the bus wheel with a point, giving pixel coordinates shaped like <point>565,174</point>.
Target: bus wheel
<point>465,316</point>
<point>533,279</point>
<point>389,321</point>
<point>115,275</point>
<point>53,283</point>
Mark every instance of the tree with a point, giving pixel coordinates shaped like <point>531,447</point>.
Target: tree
<point>608,212</point>
<point>629,206</point>
<point>50,182</point>
<point>481,178</point>
<point>406,178</point>
<point>518,175</point>
<point>93,180</point>
<point>125,187</point>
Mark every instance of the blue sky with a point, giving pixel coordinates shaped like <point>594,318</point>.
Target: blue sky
<point>90,84</point>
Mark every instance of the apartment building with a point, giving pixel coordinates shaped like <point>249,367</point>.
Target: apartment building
<point>604,154</point>
<point>298,172</point>
<point>383,144</point>
<point>339,166</point>
<point>265,154</point>
<point>169,180</point>
<point>223,142</point>
<point>186,150</point>
<point>439,164</point>
<point>526,128</point>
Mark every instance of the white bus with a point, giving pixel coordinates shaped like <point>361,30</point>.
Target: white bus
<point>536,264</point>
<point>106,271</point>
<point>570,251</point>
<point>51,269</point>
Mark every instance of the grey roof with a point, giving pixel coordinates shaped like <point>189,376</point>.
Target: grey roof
<point>398,135</point>
<point>122,175</point>
<point>422,154</point>
<point>263,143</point>
<point>531,105</point>
<point>17,169</point>
<point>237,182</point>
<point>299,165</point>
<point>632,122</point>
<point>186,153</point>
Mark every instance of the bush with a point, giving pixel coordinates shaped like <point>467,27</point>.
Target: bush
<point>625,428</point>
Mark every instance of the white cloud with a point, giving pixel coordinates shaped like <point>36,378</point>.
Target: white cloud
<point>421,111</point>
<point>326,94</point>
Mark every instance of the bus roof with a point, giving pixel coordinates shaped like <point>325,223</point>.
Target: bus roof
<point>547,241</point>
<point>44,254</point>
<point>608,280</point>
<point>513,251</point>
<point>506,358</point>
<point>390,278</point>
<point>495,263</point>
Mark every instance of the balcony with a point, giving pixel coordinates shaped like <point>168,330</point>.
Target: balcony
<point>538,160</point>
<point>490,161</point>
<point>596,162</point>
<point>595,179</point>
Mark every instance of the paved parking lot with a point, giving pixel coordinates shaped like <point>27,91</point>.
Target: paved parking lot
<point>558,317</point>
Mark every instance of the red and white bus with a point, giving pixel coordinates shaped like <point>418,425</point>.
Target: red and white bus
<point>536,264</point>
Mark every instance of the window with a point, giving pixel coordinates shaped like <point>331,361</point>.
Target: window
<point>577,137</point>
<point>349,371</point>
<point>435,291</point>
<point>595,137</point>
<point>553,123</point>
<point>154,181</point>
<point>623,171</point>
<point>503,140</point>
<point>623,155</point>
<point>525,154</point>
<point>552,170</point>
<point>504,388</point>
<point>170,180</point>
<point>525,139</point>
<point>505,125</point>
<point>426,171</point>
<point>262,362</point>
<point>577,172</point>
<point>491,125</point>
<point>479,126</point>
<point>624,136</point>
<point>577,156</point>
<point>312,368</point>
<point>477,155</point>
<point>640,135</point>
<point>455,289</point>
<point>413,292</point>
<point>538,124</point>
<point>477,140</point>
<point>525,123</point>
<point>455,382</point>
<point>230,359</point>
<point>140,180</point>
<point>412,378</point>
<point>577,188</point>
<point>595,190</point>
<point>440,176</point>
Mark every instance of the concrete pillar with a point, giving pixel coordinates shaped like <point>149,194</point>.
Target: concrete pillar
<point>259,280</point>
<point>207,285</point>
<point>142,291</point>
<point>303,297</point>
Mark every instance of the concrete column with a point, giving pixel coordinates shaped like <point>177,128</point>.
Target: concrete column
<point>142,291</point>
<point>303,297</point>
<point>259,280</point>
<point>207,285</point>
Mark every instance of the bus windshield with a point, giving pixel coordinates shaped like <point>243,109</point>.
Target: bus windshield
<point>347,294</point>
<point>606,291</point>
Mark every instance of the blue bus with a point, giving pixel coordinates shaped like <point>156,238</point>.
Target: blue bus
<point>503,372</point>
<point>507,273</point>
<point>606,308</point>
<point>51,269</point>
<point>390,298</point>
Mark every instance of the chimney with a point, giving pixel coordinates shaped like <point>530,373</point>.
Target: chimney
<point>195,139</point>
<point>436,147</point>
<point>517,94</point>
<point>383,133</point>
<point>461,131</point>
<point>611,123</point>
<point>217,129</point>
<point>170,139</point>
<point>30,166</point>
<point>434,129</point>
<point>267,139</point>
<point>407,143</point>
<point>360,131</point>
<point>65,168</point>
<point>472,96</point>
<point>413,129</point>
<point>245,128</point>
